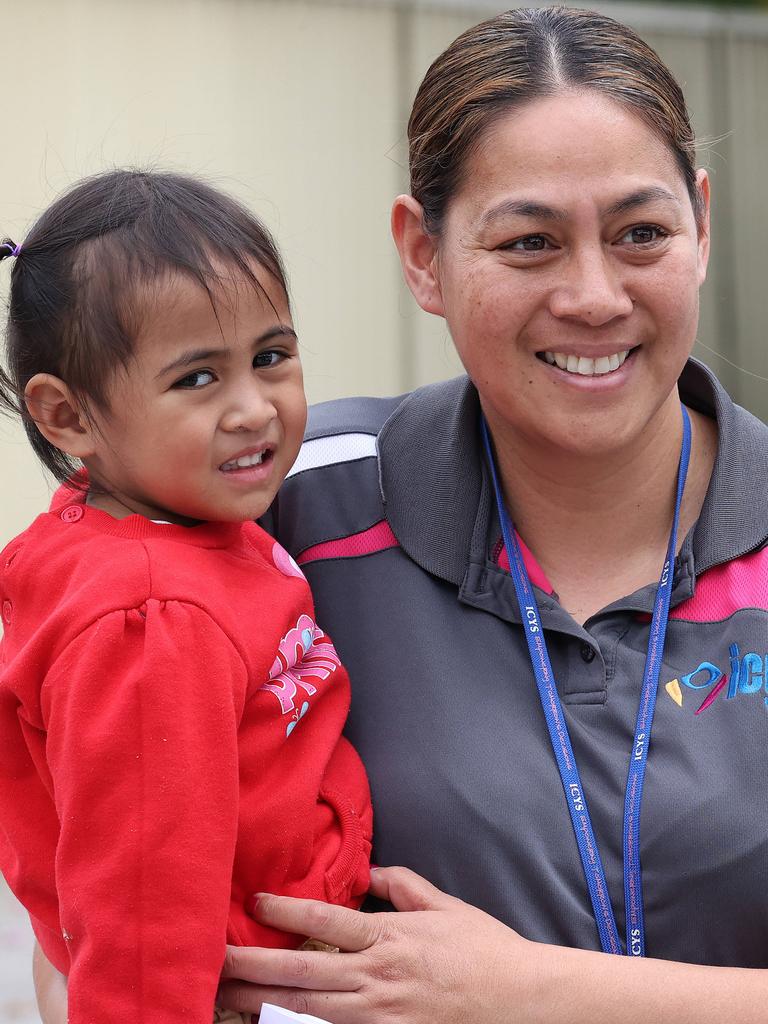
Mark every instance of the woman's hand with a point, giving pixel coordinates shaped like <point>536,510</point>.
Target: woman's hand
<point>438,958</point>
<point>442,959</point>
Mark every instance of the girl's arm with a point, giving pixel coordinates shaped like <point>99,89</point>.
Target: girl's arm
<point>442,959</point>
<point>50,989</point>
<point>141,712</point>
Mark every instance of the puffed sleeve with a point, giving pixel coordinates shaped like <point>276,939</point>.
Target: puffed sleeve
<point>142,712</point>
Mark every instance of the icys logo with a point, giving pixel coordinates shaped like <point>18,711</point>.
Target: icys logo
<point>748,675</point>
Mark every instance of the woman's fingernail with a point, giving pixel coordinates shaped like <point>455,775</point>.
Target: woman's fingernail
<point>255,901</point>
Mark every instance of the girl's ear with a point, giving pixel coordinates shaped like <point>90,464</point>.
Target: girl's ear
<point>58,416</point>
<point>418,254</point>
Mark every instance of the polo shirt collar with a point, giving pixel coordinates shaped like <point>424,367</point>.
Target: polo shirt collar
<point>438,498</point>
<point>734,517</point>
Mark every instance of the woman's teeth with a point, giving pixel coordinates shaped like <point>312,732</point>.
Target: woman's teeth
<point>244,461</point>
<point>585,366</point>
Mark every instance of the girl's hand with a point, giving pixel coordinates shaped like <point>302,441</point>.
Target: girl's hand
<point>438,958</point>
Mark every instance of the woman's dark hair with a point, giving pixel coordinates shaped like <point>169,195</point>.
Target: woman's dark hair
<point>520,56</point>
<point>79,282</point>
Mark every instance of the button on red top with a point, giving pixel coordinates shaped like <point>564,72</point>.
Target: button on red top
<point>72,513</point>
<point>7,611</point>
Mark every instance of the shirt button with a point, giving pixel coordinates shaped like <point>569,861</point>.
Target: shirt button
<point>72,513</point>
<point>7,609</point>
<point>587,653</point>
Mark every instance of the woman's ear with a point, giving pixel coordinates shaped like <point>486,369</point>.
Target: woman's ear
<point>418,254</point>
<point>58,416</point>
<point>702,183</point>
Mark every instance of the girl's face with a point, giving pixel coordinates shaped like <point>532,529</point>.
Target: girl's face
<point>569,270</point>
<point>209,416</point>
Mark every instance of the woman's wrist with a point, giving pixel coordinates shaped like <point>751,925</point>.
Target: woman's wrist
<point>573,985</point>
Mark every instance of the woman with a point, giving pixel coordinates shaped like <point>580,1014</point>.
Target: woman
<point>558,223</point>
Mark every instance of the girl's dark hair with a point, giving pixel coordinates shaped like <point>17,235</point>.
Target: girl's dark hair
<point>79,283</point>
<point>520,56</point>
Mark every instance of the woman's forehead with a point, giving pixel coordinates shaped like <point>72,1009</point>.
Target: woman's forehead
<point>555,149</point>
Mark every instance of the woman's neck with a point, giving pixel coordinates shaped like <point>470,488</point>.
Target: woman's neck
<point>599,524</point>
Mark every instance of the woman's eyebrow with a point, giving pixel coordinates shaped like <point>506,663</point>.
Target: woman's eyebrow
<point>540,211</point>
<point>640,198</point>
<point>522,208</point>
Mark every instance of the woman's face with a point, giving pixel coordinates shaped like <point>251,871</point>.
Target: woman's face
<point>568,271</point>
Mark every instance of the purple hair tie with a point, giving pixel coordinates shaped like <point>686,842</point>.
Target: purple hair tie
<point>14,250</point>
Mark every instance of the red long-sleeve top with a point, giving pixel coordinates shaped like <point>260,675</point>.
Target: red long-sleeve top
<point>170,744</point>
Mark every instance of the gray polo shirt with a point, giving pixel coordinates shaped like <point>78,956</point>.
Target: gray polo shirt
<point>390,512</point>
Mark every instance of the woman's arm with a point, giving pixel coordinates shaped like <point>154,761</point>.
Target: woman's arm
<point>50,989</point>
<point>440,958</point>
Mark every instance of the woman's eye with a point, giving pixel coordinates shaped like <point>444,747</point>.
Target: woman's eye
<point>530,243</point>
<point>268,358</point>
<point>196,379</point>
<point>644,234</point>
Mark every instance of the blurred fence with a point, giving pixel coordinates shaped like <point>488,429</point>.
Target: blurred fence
<point>299,107</point>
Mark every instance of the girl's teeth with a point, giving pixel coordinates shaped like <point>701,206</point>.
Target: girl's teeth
<point>244,461</point>
<point>584,366</point>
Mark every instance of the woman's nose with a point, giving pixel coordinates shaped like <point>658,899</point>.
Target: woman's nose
<point>591,290</point>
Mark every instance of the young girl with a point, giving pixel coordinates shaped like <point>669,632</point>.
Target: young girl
<point>170,713</point>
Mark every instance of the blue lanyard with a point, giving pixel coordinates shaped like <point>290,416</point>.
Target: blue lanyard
<point>558,730</point>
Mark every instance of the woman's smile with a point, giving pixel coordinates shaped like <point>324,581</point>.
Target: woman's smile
<point>585,366</point>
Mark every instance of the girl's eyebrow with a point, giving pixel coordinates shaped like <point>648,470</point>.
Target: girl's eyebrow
<point>195,355</point>
<point>201,355</point>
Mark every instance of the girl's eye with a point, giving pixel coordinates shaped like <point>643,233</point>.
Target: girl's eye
<point>196,379</point>
<point>530,243</point>
<point>644,234</point>
<point>267,358</point>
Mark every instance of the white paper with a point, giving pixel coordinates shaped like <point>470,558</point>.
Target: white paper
<point>277,1015</point>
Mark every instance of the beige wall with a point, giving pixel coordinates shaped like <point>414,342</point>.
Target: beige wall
<point>299,108</point>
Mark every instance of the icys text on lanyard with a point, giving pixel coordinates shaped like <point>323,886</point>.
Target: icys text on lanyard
<point>558,730</point>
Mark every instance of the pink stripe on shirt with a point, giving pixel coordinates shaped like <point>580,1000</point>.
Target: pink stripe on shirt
<point>536,574</point>
<point>367,542</point>
<point>726,589</point>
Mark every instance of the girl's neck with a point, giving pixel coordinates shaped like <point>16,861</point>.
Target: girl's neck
<point>117,507</point>
<point>599,524</point>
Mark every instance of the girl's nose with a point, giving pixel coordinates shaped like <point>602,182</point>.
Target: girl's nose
<point>250,409</point>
